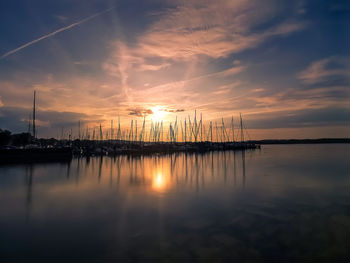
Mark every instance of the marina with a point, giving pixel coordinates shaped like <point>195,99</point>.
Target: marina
<point>154,137</point>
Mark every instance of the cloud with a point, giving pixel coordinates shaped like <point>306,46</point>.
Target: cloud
<point>224,90</point>
<point>327,72</point>
<point>16,119</point>
<point>149,67</point>
<point>61,18</point>
<point>175,60</point>
<point>54,33</point>
<point>139,112</point>
<point>163,83</point>
<point>297,99</point>
<point>328,116</point>
<point>71,94</point>
<point>173,110</point>
<point>142,112</point>
<point>211,28</point>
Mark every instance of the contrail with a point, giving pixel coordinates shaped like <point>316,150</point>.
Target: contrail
<point>54,33</point>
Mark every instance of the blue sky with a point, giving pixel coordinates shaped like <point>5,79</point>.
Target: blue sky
<point>284,64</point>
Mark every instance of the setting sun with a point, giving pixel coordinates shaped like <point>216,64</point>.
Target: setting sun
<point>158,113</point>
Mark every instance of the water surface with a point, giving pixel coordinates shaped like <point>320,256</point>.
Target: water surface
<point>283,203</point>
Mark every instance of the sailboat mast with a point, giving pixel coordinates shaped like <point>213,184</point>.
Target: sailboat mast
<point>242,134</point>
<point>211,132</point>
<point>233,130</point>
<point>185,131</point>
<point>29,123</point>
<point>119,135</point>
<point>112,131</point>
<point>79,135</point>
<point>34,128</point>
<point>201,123</point>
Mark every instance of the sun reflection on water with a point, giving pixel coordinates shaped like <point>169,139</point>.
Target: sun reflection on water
<point>159,182</point>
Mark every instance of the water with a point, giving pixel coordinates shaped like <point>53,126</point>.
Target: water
<point>283,203</point>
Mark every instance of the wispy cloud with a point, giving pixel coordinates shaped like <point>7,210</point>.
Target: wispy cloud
<point>314,117</point>
<point>49,122</point>
<point>173,110</point>
<point>298,99</point>
<point>150,67</point>
<point>328,71</point>
<point>212,29</point>
<point>174,61</point>
<point>61,18</point>
<point>54,33</point>
<point>224,90</point>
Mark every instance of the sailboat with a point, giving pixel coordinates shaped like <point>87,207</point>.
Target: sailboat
<point>34,152</point>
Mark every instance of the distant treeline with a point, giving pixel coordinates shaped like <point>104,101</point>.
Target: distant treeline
<point>19,139</point>
<point>303,141</point>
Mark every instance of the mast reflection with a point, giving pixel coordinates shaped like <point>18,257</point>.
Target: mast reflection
<point>29,189</point>
<point>159,173</point>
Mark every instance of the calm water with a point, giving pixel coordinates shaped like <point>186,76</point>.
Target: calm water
<point>288,203</point>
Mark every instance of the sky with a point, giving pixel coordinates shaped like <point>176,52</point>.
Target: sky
<point>284,65</point>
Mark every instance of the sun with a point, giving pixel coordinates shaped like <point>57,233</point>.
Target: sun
<point>158,113</point>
